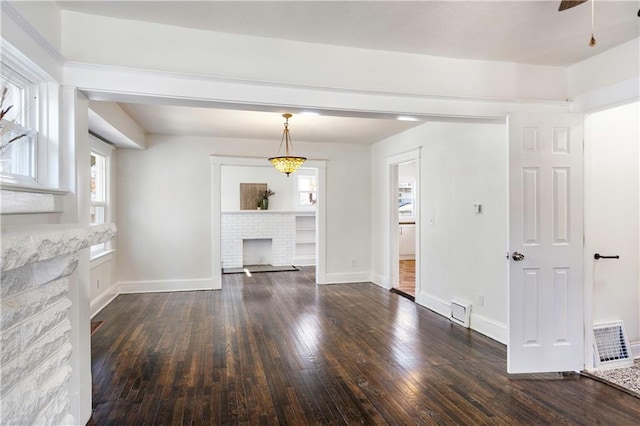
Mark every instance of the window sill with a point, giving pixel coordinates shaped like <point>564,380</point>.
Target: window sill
<point>33,188</point>
<point>99,257</point>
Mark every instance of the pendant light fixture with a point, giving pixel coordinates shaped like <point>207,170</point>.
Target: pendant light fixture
<point>287,163</point>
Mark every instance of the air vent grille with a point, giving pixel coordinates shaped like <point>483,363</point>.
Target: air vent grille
<point>460,312</point>
<point>611,345</point>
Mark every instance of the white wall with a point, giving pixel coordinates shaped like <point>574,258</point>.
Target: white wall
<point>233,176</point>
<point>613,66</point>
<point>164,213</point>
<point>462,253</point>
<point>610,78</point>
<point>611,164</point>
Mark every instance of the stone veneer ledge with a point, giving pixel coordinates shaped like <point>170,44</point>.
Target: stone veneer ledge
<point>22,245</point>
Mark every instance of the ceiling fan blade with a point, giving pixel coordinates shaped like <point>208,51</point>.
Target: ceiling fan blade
<point>568,4</point>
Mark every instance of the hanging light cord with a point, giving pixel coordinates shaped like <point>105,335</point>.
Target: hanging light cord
<point>592,41</point>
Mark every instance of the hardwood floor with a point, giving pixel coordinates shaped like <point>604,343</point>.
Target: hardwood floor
<point>408,277</point>
<point>277,349</point>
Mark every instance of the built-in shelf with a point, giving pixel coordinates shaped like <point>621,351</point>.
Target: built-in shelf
<point>305,250</point>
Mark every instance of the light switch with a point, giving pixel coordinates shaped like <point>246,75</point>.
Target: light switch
<point>477,208</point>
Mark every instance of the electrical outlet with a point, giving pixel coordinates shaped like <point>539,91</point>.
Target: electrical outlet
<point>481,300</point>
<point>354,263</point>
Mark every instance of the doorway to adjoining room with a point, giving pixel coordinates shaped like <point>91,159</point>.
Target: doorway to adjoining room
<point>407,229</point>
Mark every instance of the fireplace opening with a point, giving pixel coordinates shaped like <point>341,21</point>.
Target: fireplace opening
<point>257,251</point>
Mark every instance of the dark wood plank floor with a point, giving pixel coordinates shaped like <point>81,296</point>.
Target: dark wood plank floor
<point>276,349</point>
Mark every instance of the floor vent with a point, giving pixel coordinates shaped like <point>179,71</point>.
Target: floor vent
<point>611,346</point>
<point>460,312</point>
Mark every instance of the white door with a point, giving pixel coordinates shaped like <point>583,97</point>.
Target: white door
<point>546,242</point>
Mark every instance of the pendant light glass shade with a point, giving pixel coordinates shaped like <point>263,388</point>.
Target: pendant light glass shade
<point>288,163</point>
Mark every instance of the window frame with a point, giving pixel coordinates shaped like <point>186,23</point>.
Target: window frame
<point>29,111</point>
<point>305,173</point>
<point>98,147</point>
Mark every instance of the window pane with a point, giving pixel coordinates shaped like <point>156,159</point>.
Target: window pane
<point>306,190</point>
<point>18,153</point>
<point>14,97</point>
<point>306,198</point>
<point>98,178</point>
<point>18,157</point>
<point>306,183</point>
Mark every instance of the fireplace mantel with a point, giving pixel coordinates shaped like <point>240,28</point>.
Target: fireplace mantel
<point>30,244</point>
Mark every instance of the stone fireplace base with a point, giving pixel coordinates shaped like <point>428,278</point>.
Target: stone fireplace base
<point>43,333</point>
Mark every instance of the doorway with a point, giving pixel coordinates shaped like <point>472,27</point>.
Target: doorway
<point>404,224</point>
<point>407,186</point>
<point>317,235</point>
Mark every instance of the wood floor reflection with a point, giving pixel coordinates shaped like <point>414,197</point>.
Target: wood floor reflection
<point>408,277</point>
<point>275,348</point>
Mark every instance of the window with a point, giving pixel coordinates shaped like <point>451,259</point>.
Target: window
<point>19,127</point>
<point>306,191</point>
<point>99,204</point>
<point>31,162</point>
<point>98,188</point>
<point>406,198</point>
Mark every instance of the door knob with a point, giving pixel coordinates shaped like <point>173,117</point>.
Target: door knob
<point>517,256</point>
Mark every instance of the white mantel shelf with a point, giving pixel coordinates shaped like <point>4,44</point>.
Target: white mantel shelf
<point>294,212</point>
<point>26,244</point>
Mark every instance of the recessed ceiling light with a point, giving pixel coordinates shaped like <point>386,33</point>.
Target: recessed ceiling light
<point>406,118</point>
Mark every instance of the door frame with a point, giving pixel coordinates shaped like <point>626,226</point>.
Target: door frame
<point>393,253</point>
<point>217,161</point>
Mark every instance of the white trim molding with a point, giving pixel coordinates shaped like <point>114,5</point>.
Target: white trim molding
<point>160,286</point>
<point>347,278</point>
<point>101,302</point>
<point>125,84</point>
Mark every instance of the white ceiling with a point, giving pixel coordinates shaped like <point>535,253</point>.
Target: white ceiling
<point>225,123</point>
<point>531,32</point>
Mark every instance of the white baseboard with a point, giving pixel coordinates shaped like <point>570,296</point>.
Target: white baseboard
<point>635,349</point>
<point>437,305</point>
<point>100,302</point>
<point>490,328</point>
<point>483,325</point>
<point>159,286</point>
<point>380,280</point>
<point>348,277</point>
<point>304,260</point>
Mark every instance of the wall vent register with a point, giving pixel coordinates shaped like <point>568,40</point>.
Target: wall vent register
<point>611,346</point>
